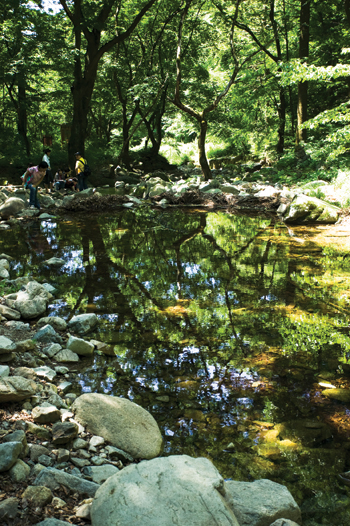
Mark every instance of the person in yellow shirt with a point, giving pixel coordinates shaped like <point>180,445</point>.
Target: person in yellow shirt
<point>80,163</point>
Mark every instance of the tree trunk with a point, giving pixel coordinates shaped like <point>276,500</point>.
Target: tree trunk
<point>282,121</point>
<point>22,121</point>
<point>203,161</point>
<point>303,53</point>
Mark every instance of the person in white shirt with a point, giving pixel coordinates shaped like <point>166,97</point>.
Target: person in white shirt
<point>48,179</point>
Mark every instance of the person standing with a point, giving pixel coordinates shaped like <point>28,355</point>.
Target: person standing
<point>48,180</point>
<point>79,170</point>
<point>31,179</point>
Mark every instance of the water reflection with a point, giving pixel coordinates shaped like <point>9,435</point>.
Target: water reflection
<point>223,326</point>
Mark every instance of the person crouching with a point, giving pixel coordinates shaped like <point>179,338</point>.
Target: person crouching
<point>31,179</point>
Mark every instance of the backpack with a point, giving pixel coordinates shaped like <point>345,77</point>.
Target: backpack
<point>87,169</point>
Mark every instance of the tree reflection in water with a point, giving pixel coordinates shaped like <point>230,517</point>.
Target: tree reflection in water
<point>221,325</point>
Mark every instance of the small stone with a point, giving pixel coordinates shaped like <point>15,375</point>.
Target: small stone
<point>36,451</point>
<point>79,443</point>
<point>39,496</point>
<point>63,455</point>
<point>46,415</point>
<point>40,432</point>
<point>47,334</point>
<point>8,509</point>
<point>45,372</point>
<point>97,461</point>
<point>63,432</point>
<point>52,349</point>
<point>64,386</point>
<point>66,356</point>
<point>97,441</point>
<point>9,453</point>
<point>4,371</point>
<point>80,462</point>
<point>58,503</point>
<point>45,460</point>
<point>83,511</point>
<point>20,471</point>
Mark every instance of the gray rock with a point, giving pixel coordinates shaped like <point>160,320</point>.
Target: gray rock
<point>59,324</point>
<point>63,432</point>
<point>122,423</point>
<point>18,436</point>
<point>57,401</point>
<point>100,474</point>
<point>66,356</point>
<point>45,460</point>
<point>32,301</point>
<point>38,495</point>
<point>10,314</point>
<point>20,471</point>
<point>64,387</point>
<point>119,454</point>
<point>38,431</point>
<point>25,372</point>
<point>80,346</point>
<point>310,209</point>
<point>4,371</point>
<point>80,462</point>
<point>52,349</point>
<point>36,451</point>
<point>6,345</point>
<point>11,207</point>
<point>53,478</point>
<point>45,372</point>
<point>46,415</point>
<point>261,502</point>
<point>168,490</point>
<point>49,288</point>
<point>83,323</point>
<point>9,453</point>
<point>8,509</point>
<point>97,441</point>
<point>16,388</point>
<point>79,443</point>
<point>47,334</point>
<point>25,346</point>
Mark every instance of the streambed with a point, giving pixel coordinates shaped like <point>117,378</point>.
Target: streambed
<point>227,328</point>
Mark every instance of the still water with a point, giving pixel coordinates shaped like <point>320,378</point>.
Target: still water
<point>224,328</point>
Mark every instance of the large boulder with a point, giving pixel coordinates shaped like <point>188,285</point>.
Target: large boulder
<point>164,491</point>
<point>306,209</point>
<point>32,301</point>
<point>11,207</point>
<point>261,502</point>
<point>16,388</point>
<point>124,424</point>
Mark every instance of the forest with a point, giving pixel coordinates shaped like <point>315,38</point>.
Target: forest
<point>187,80</point>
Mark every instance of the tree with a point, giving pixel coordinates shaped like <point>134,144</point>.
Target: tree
<point>202,116</point>
<point>90,24</point>
<point>304,38</point>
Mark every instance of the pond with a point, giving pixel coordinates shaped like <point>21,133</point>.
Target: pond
<point>227,328</point>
